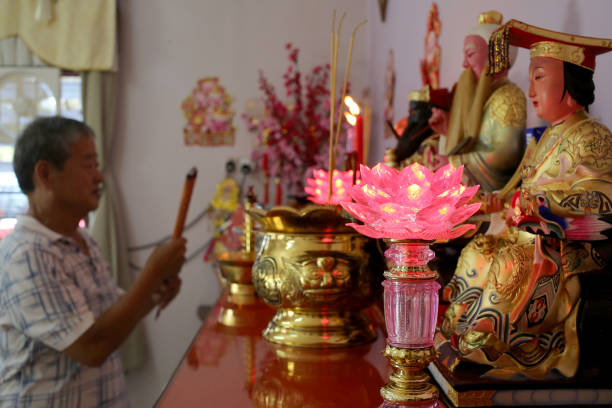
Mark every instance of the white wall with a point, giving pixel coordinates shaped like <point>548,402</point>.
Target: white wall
<point>165,47</point>
<point>404,31</point>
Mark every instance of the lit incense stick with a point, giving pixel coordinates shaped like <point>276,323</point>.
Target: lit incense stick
<point>180,218</point>
<point>185,199</point>
<point>347,70</point>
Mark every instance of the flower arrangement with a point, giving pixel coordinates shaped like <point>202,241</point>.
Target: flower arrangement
<point>209,115</point>
<point>294,136</point>
<point>414,203</point>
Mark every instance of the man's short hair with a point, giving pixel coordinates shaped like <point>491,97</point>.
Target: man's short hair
<point>45,138</point>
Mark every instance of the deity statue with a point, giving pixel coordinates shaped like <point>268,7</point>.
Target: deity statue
<point>430,65</point>
<point>416,140</point>
<point>515,296</point>
<point>484,129</point>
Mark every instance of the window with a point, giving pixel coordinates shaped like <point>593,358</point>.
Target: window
<point>26,93</point>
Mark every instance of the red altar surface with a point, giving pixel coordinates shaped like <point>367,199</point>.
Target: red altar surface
<point>229,366</point>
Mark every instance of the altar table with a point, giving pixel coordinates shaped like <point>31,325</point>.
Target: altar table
<point>229,364</point>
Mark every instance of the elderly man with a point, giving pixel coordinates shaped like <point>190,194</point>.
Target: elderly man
<point>62,317</point>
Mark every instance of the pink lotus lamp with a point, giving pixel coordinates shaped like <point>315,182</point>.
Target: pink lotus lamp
<point>410,209</point>
<point>318,187</point>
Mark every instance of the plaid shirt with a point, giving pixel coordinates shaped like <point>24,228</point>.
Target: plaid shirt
<point>50,294</point>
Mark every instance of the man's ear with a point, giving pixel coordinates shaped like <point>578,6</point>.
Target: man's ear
<point>43,173</point>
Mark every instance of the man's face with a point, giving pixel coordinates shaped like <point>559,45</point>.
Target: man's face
<point>546,89</point>
<point>475,54</point>
<point>77,185</point>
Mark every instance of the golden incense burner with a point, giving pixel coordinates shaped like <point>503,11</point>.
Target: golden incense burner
<point>240,304</point>
<point>319,274</point>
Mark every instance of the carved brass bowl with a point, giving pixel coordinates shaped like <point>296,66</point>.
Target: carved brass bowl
<point>240,303</point>
<point>319,274</point>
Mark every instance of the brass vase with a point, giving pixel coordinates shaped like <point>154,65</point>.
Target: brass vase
<point>318,274</point>
<point>240,305</point>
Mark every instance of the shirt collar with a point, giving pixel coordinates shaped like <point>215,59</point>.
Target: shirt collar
<point>31,223</point>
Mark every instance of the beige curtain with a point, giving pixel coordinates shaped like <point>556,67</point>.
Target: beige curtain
<point>70,34</point>
<point>99,110</point>
<point>14,52</point>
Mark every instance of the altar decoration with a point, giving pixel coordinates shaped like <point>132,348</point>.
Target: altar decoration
<point>355,134</point>
<point>235,269</point>
<point>310,266</point>
<point>410,209</point>
<point>316,272</point>
<point>318,186</point>
<point>430,64</point>
<point>209,114</point>
<point>292,135</point>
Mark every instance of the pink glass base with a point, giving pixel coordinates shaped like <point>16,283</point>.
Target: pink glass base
<point>411,310</point>
<point>408,260</point>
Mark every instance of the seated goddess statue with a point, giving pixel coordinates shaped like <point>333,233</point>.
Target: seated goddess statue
<point>515,295</point>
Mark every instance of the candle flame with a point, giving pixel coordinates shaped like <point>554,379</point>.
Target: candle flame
<point>352,105</point>
<point>350,119</point>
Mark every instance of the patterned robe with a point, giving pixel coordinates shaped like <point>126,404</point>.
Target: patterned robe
<point>514,296</point>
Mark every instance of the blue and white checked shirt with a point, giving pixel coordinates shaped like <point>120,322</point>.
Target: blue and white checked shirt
<point>50,294</point>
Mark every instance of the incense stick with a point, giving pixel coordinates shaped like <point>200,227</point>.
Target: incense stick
<point>185,199</point>
<point>331,105</point>
<point>347,70</point>
<point>180,219</point>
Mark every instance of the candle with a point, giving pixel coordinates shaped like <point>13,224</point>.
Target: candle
<point>367,126</point>
<point>279,191</point>
<point>359,138</point>
<point>356,120</point>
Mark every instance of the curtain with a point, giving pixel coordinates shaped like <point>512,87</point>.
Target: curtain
<point>13,52</point>
<point>70,34</point>
<point>99,110</point>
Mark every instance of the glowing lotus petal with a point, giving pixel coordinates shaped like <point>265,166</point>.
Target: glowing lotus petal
<point>380,175</point>
<point>446,177</point>
<point>362,212</point>
<point>365,193</point>
<point>463,213</point>
<point>414,203</point>
<point>318,187</point>
<point>416,174</point>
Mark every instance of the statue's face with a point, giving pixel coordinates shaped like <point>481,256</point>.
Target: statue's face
<point>546,89</point>
<point>475,54</point>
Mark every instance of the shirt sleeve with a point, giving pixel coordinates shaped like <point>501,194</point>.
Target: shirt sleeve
<point>42,300</point>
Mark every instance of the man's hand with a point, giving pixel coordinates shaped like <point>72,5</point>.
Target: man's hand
<point>439,121</point>
<point>166,293</point>
<point>165,261</point>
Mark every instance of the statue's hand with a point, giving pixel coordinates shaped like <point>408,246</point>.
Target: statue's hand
<point>492,203</point>
<point>439,121</point>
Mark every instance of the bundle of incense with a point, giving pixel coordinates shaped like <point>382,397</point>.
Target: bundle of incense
<point>182,215</point>
<point>333,138</point>
<point>185,199</point>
